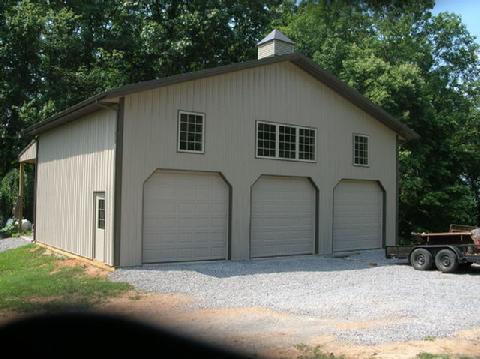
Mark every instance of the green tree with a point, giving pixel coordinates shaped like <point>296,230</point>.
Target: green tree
<point>9,192</point>
<point>54,54</point>
<point>421,68</point>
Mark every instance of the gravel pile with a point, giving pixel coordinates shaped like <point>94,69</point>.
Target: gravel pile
<point>10,243</point>
<point>408,304</point>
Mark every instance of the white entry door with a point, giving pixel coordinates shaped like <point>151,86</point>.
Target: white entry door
<point>100,226</point>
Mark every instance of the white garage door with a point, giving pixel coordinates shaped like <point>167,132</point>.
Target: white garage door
<point>357,216</point>
<point>283,216</point>
<point>185,217</point>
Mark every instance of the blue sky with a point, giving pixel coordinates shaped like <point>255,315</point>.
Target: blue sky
<point>469,10</point>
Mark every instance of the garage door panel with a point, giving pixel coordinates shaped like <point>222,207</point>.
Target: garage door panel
<point>183,252</point>
<point>283,216</point>
<point>358,216</point>
<point>276,222</point>
<point>349,219</point>
<point>185,217</point>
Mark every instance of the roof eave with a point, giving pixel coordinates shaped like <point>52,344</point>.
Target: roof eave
<point>30,144</point>
<point>64,116</point>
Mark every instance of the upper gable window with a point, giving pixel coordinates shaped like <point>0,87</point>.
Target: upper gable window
<point>306,144</point>
<point>191,131</point>
<point>360,150</point>
<point>289,142</point>
<point>266,139</point>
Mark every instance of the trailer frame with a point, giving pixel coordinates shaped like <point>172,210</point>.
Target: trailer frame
<point>457,249</point>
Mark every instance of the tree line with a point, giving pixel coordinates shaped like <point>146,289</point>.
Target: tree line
<point>422,68</point>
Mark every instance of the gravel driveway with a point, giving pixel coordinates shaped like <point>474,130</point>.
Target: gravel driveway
<point>366,287</point>
<point>11,243</point>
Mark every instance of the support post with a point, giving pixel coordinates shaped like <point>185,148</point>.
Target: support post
<point>21,190</point>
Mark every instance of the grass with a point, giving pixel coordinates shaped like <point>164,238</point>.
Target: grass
<point>309,352</point>
<point>438,356</point>
<point>30,281</point>
<point>432,356</point>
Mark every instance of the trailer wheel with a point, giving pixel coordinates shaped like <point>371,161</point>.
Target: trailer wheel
<point>421,259</point>
<point>446,261</point>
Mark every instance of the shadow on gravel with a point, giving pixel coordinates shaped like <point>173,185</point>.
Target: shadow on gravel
<point>225,269</point>
<point>474,270</point>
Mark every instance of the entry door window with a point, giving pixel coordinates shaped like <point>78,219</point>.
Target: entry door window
<point>100,212</point>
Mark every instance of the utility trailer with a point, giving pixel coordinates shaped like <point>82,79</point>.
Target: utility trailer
<point>448,251</point>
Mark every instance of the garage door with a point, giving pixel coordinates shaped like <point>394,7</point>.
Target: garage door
<point>283,216</point>
<point>357,216</point>
<point>185,217</point>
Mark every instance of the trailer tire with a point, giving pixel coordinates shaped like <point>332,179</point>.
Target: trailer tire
<point>446,261</point>
<point>421,259</point>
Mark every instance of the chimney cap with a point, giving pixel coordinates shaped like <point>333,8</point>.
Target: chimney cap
<point>275,35</point>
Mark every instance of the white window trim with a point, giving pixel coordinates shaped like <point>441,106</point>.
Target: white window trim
<point>179,113</point>
<point>277,142</point>
<point>353,149</point>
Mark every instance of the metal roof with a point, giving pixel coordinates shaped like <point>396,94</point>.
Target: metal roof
<point>275,35</point>
<point>97,102</point>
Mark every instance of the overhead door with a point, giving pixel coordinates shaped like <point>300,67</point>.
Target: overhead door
<point>185,217</point>
<point>357,216</point>
<point>283,216</point>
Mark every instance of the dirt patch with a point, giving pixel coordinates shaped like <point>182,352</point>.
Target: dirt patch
<point>264,332</point>
<point>34,249</point>
<point>9,316</point>
<point>465,344</point>
<point>347,324</point>
<point>89,270</point>
<point>272,334</point>
<point>43,300</point>
<point>146,306</point>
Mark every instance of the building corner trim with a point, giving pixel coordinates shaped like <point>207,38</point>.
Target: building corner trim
<point>397,190</point>
<point>118,183</point>
<point>35,190</point>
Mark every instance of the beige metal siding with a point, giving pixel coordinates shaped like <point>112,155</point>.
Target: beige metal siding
<point>357,216</point>
<point>283,216</point>
<point>232,104</point>
<point>29,154</point>
<point>74,161</point>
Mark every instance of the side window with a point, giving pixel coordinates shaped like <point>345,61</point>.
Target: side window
<point>360,150</point>
<point>191,132</point>
<point>101,213</point>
